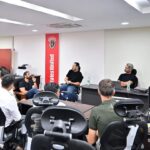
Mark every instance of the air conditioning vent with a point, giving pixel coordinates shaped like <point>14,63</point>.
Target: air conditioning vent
<point>64,25</point>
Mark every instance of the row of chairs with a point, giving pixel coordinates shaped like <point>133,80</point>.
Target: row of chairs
<point>52,127</point>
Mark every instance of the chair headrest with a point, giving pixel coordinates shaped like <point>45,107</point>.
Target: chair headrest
<point>45,98</point>
<point>74,121</point>
<point>129,108</point>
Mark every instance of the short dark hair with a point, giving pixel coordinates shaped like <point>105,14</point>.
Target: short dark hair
<point>52,86</point>
<point>3,71</point>
<point>78,65</point>
<point>7,80</point>
<point>25,73</point>
<point>106,87</point>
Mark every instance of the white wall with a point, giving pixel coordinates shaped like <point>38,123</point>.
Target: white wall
<point>89,48</point>
<point>31,50</point>
<point>86,48</point>
<point>128,45</point>
<point>6,42</point>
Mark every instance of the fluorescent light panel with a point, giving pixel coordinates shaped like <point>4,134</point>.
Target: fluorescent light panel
<point>14,22</point>
<point>34,30</point>
<point>41,9</point>
<point>124,23</point>
<point>141,5</point>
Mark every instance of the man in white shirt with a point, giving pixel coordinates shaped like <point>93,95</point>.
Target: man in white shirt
<point>8,103</point>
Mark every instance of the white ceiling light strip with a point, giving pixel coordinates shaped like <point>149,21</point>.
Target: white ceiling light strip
<point>141,5</point>
<point>41,9</point>
<point>14,22</point>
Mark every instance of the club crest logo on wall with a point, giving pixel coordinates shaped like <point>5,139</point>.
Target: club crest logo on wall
<point>52,42</point>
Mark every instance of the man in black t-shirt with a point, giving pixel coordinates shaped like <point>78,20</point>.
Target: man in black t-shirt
<point>73,79</point>
<point>128,77</point>
<point>28,86</point>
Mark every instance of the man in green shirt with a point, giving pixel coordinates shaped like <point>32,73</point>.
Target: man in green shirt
<point>103,114</point>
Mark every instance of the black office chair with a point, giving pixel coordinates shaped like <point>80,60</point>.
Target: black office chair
<point>134,72</point>
<point>61,124</point>
<point>10,135</point>
<point>45,143</point>
<point>128,134</point>
<point>33,116</point>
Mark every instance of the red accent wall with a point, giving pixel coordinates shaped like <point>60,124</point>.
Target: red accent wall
<point>5,58</point>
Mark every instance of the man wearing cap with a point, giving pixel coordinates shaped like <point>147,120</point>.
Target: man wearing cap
<point>128,78</point>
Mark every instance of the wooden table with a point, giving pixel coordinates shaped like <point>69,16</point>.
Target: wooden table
<point>84,108</point>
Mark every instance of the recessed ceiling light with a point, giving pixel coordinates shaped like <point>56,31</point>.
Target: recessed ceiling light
<point>41,9</point>
<point>34,30</point>
<point>124,23</point>
<point>14,22</point>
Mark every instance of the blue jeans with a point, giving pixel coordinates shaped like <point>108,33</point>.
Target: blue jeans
<point>69,92</point>
<point>31,93</point>
<point>68,88</point>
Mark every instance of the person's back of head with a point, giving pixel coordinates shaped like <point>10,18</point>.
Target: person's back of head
<point>52,87</point>
<point>8,81</point>
<point>106,88</point>
<point>3,71</point>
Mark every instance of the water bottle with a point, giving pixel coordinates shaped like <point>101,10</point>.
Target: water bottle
<point>128,86</point>
<point>88,81</point>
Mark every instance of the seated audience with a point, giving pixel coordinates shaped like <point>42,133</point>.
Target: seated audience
<point>8,105</point>
<point>73,80</point>
<point>28,86</point>
<point>103,114</point>
<point>128,78</point>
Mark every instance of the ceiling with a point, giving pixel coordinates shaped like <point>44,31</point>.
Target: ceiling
<point>97,14</point>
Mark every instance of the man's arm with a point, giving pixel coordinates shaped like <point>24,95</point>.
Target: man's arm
<point>23,90</point>
<point>123,84</point>
<point>34,82</point>
<point>13,107</point>
<point>92,136</point>
<point>74,83</point>
<point>66,79</point>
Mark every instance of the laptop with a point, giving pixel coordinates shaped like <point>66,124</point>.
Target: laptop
<point>117,85</point>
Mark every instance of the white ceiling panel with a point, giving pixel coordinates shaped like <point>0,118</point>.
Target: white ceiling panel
<point>97,14</point>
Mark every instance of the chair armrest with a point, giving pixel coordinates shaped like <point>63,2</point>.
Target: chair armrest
<point>20,95</point>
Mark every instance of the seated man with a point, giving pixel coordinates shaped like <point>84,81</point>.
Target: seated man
<point>73,80</point>
<point>103,114</point>
<point>128,78</point>
<point>28,86</point>
<point>8,103</point>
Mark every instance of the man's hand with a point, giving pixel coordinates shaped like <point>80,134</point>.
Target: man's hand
<point>33,79</point>
<point>123,84</point>
<point>69,82</point>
